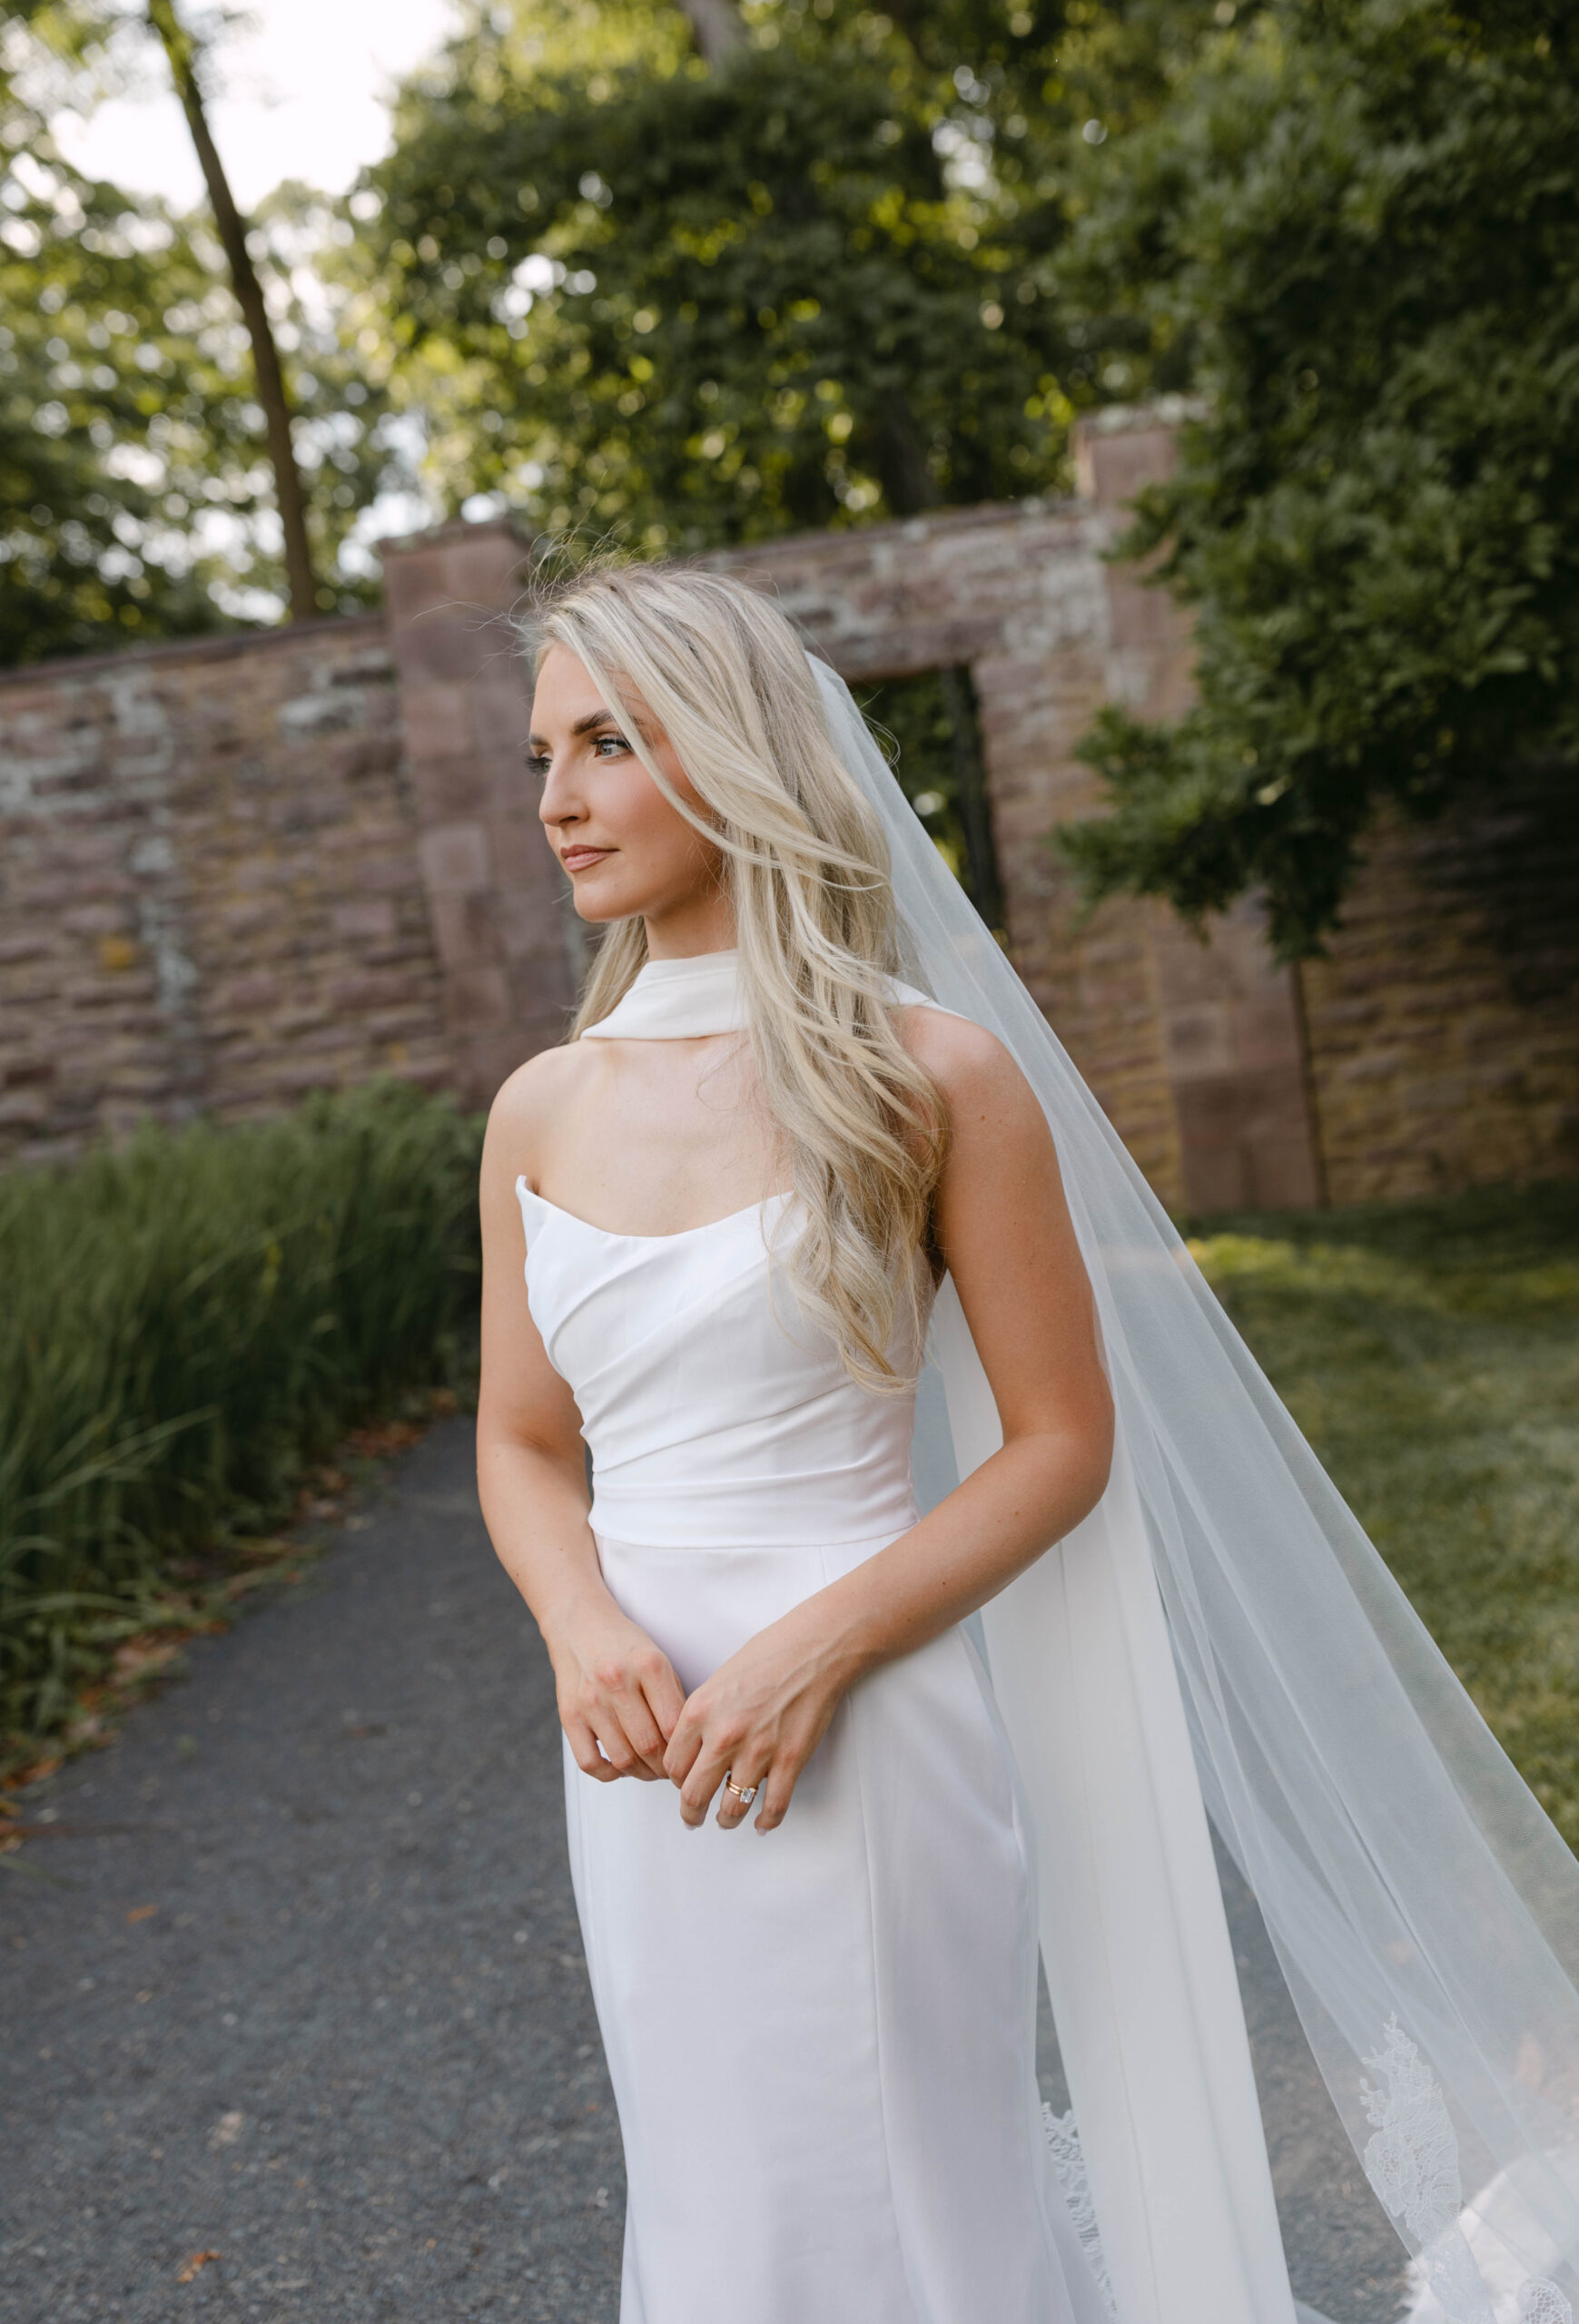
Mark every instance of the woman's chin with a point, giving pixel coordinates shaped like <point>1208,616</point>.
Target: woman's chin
<point>599,901</point>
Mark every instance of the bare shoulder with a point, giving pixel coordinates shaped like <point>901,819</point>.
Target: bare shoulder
<point>536,1094</point>
<point>976,1075</point>
<point>1002,1190</point>
<point>542,1082</point>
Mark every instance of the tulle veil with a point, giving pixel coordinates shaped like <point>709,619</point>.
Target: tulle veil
<point>1219,1638</point>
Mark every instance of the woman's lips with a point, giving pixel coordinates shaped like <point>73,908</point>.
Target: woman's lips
<point>577,858</point>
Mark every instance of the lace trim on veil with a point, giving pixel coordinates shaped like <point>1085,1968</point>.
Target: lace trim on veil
<point>1411,2160</point>
<point>1069,2167</point>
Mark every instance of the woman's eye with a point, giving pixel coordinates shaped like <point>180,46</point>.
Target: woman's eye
<point>603,746</point>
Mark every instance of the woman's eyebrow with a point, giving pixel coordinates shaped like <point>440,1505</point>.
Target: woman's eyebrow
<point>586,724</point>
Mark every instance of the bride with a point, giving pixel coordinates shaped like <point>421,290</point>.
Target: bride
<point>807,1132</point>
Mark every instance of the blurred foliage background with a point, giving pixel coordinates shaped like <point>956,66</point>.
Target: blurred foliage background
<point>135,499</point>
<point>678,275</point>
<point>675,275</point>
<point>599,280</point>
<point>808,283</point>
<point>1354,236</point>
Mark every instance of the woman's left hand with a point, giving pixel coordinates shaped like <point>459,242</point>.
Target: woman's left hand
<point>756,1720</point>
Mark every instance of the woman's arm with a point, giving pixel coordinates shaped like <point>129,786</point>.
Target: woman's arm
<point>617,1694</point>
<point>1004,1230</point>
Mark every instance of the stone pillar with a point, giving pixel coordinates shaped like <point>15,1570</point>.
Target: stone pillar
<point>1233,1043</point>
<point>498,901</point>
<point>1236,1067</point>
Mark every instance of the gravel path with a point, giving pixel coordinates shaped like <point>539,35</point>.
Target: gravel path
<point>297,1983</point>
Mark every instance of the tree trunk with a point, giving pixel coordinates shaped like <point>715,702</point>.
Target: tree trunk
<point>716,27</point>
<point>181,51</point>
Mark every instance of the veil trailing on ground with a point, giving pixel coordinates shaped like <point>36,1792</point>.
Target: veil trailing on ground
<point>1220,1636</point>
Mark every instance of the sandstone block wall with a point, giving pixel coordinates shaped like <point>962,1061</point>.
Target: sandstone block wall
<point>1194,1049</point>
<point>210,898</point>
<point>1019,594</point>
<point>507,943</point>
<point>237,869</point>
<point>1444,1020</point>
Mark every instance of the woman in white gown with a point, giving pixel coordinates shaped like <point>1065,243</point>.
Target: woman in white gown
<point>759,1168</point>
<point>820,2033</point>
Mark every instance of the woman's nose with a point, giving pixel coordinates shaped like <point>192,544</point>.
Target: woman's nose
<point>557,805</point>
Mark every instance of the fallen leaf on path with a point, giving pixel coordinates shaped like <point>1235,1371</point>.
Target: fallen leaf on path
<point>142,1912</point>
<point>34,1772</point>
<point>195,2266</point>
<point>140,1657</point>
<point>382,1438</point>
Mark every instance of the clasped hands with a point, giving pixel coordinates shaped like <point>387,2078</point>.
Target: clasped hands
<point>756,1719</point>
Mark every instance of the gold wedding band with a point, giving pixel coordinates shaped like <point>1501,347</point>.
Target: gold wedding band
<point>744,1793</point>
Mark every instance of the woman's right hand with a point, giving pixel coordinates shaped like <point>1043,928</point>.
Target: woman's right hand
<point>617,1693</point>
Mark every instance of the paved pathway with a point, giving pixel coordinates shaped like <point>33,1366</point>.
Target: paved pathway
<point>299,1983</point>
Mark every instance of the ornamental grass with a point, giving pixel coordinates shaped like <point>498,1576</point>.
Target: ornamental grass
<point>189,1320</point>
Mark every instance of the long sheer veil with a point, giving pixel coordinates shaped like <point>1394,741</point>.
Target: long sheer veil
<point>1424,1910</point>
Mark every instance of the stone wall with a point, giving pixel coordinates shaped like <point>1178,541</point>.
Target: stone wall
<point>1444,1020</point>
<point>210,897</point>
<point>1194,1049</point>
<point>1019,594</point>
<point>234,870</point>
<point>506,942</point>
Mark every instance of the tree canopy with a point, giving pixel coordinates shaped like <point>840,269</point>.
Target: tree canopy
<point>1355,230</point>
<point>809,284</point>
<point>692,275</point>
<point>135,499</point>
<point>600,279</point>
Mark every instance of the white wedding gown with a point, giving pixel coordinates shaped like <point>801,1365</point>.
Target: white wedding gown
<point>821,2040</point>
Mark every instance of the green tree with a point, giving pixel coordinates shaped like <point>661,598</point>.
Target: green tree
<point>805,283</point>
<point>1354,230</point>
<point>135,496</point>
<point>76,278</point>
<point>186,57</point>
<point>89,554</point>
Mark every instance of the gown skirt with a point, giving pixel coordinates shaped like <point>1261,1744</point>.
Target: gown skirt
<point>821,2039</point>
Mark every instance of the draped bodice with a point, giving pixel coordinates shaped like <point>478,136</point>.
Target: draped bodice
<point>718,1413</point>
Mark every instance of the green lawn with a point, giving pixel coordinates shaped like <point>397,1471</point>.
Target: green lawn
<point>1430,1352</point>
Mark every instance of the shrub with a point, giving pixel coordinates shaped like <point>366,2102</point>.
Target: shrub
<point>191,1318</point>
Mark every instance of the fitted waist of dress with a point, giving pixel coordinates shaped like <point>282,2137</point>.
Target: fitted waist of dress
<point>734,1518</point>
<point>833,1469</point>
<point>824,1561</point>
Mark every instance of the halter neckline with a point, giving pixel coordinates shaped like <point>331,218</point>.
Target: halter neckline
<point>677,1000</point>
<point>684,1000</point>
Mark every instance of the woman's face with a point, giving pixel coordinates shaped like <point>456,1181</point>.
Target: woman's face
<point>625,848</point>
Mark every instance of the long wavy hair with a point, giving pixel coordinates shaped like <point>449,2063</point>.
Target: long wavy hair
<point>805,866</point>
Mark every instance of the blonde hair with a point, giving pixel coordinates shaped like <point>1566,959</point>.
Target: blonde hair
<point>805,866</point>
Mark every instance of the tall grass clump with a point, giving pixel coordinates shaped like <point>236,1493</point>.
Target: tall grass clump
<point>187,1321</point>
